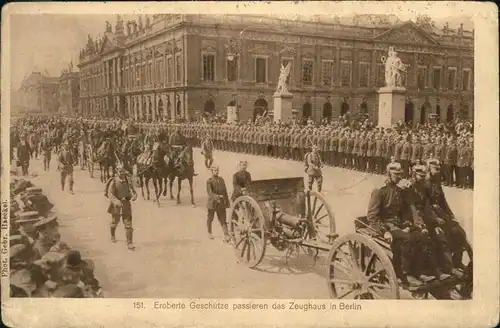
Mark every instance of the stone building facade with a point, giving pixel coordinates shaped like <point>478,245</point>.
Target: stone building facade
<point>182,66</point>
<point>38,93</point>
<point>69,91</point>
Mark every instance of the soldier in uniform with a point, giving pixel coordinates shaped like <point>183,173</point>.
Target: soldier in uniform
<point>218,202</point>
<point>121,192</point>
<point>342,149</point>
<point>450,162</point>
<point>370,152</point>
<point>66,161</point>
<point>23,155</point>
<point>378,154</point>
<point>313,168</point>
<point>349,150</point>
<point>45,146</point>
<point>207,149</point>
<point>416,151</point>
<point>363,151</point>
<point>405,155</point>
<point>389,213</point>
<point>455,233</point>
<point>241,180</point>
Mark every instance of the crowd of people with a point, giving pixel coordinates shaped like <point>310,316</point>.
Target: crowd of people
<point>355,145</point>
<point>41,264</point>
<point>428,155</point>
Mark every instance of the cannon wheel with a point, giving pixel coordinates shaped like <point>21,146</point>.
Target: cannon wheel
<point>248,232</point>
<point>357,267</point>
<point>320,214</point>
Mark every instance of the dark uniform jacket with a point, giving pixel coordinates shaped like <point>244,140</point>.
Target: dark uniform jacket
<point>120,192</point>
<point>388,210</point>
<point>217,194</point>
<point>438,199</point>
<point>241,179</point>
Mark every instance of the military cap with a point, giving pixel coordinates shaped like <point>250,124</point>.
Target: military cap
<point>433,162</point>
<point>45,222</point>
<point>420,170</point>
<point>394,167</point>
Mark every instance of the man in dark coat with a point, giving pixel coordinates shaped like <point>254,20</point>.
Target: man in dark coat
<point>241,180</point>
<point>218,202</point>
<point>23,156</point>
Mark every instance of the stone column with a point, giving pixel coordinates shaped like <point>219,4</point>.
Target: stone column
<point>152,101</point>
<point>337,67</point>
<point>414,72</point>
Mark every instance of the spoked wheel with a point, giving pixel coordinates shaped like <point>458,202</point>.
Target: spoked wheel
<point>358,268</point>
<point>320,215</point>
<point>248,231</point>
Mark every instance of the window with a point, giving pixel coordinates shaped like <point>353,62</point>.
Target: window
<point>380,75</point>
<point>422,77</point>
<point>327,72</point>
<point>466,79</point>
<point>284,62</point>
<point>208,67</point>
<point>232,69</point>
<point>436,78</point>
<point>178,67</point>
<point>345,73</point>
<point>150,73</point>
<point>364,75</point>
<point>260,70</point>
<point>307,72</point>
<point>452,75</point>
<point>170,69</point>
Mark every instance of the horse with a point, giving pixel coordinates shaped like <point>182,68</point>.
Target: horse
<point>130,151</point>
<point>106,156</point>
<point>182,168</point>
<point>152,167</point>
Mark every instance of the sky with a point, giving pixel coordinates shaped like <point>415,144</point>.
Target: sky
<point>49,42</point>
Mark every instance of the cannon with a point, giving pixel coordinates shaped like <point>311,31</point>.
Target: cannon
<point>282,213</point>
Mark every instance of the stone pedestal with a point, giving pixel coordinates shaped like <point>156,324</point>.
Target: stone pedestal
<point>282,110</point>
<point>391,106</point>
<point>232,114</point>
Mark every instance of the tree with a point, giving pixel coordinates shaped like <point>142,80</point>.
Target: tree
<point>425,22</point>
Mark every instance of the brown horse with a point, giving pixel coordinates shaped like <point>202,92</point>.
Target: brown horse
<point>182,168</point>
<point>154,170</point>
<point>107,158</point>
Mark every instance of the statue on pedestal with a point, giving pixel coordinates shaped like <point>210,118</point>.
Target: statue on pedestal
<point>393,69</point>
<point>284,72</point>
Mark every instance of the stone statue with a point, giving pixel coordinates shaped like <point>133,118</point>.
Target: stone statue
<point>119,24</point>
<point>284,72</point>
<point>108,27</point>
<point>393,69</point>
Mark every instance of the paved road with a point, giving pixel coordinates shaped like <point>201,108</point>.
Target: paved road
<point>174,257</point>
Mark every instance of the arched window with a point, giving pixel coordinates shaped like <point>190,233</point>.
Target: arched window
<point>307,110</point>
<point>209,107</point>
<point>259,107</point>
<point>327,111</point>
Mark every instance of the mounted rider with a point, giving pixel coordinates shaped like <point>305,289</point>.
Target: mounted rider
<point>177,143</point>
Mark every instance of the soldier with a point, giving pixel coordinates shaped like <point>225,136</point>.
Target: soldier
<point>313,168</point>
<point>450,162</point>
<point>333,148</point>
<point>389,213</point>
<point>455,233</point>
<point>218,202</point>
<point>370,152</point>
<point>342,149</point>
<point>296,139</point>
<point>207,148</point>
<point>304,142</point>
<point>65,166</point>
<point>363,151</point>
<point>462,154</point>
<point>349,150</point>
<point>378,154</point>
<point>405,155</point>
<point>469,167</point>
<point>416,151</point>
<point>428,223</point>
<point>45,146</point>
<point>23,155</point>
<point>120,192</point>
<point>241,180</point>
